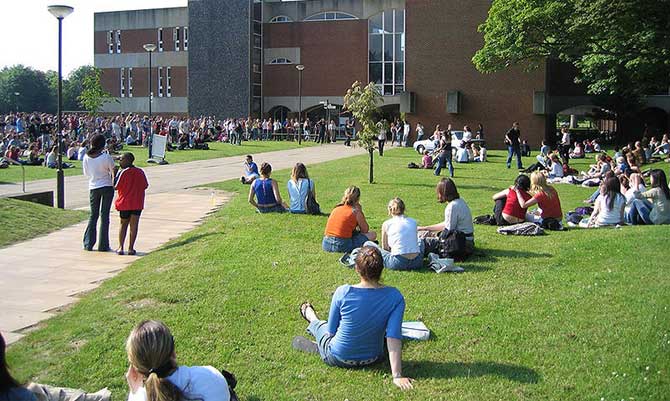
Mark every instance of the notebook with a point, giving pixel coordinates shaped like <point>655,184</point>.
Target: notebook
<point>415,331</point>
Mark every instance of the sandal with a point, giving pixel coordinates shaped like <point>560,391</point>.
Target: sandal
<point>120,252</point>
<point>132,252</point>
<point>303,308</point>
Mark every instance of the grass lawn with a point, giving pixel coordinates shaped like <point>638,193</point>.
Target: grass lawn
<point>217,149</point>
<point>575,315</point>
<point>25,220</point>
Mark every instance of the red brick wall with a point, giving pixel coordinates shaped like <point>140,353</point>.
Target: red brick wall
<point>335,54</point>
<point>110,80</point>
<point>440,44</point>
<point>132,40</point>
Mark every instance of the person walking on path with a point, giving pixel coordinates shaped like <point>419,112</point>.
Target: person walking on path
<point>130,184</point>
<point>513,146</point>
<point>98,166</point>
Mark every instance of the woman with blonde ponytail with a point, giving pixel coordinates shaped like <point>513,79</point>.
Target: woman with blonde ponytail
<point>154,375</point>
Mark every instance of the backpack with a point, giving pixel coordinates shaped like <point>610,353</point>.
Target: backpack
<point>452,245</point>
<point>232,383</point>
<point>311,205</point>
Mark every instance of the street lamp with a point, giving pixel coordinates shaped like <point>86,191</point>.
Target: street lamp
<point>150,48</point>
<point>300,69</point>
<point>60,12</point>
<point>16,100</point>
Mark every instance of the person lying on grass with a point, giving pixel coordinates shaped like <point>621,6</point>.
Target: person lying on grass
<point>360,317</point>
<point>154,375</point>
<point>347,228</point>
<point>130,184</point>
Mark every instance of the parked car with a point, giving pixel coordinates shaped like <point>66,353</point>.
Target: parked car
<point>429,144</point>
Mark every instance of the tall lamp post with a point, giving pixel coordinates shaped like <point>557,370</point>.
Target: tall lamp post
<point>300,69</point>
<point>150,48</point>
<point>60,12</point>
<point>16,100</point>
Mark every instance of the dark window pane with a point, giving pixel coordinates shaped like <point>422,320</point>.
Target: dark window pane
<point>376,73</point>
<point>376,23</point>
<point>399,73</point>
<point>399,88</point>
<point>256,105</point>
<point>388,21</point>
<point>388,90</point>
<point>388,47</point>
<point>399,48</point>
<point>388,73</point>
<point>399,21</point>
<point>375,47</point>
<point>257,90</point>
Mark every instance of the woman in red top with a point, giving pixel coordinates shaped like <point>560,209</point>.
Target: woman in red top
<point>130,185</point>
<point>546,197</point>
<point>508,209</point>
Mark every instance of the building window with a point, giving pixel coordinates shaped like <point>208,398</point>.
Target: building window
<point>160,39</point>
<point>130,82</point>
<point>118,41</point>
<point>281,60</point>
<point>386,55</point>
<point>185,29</point>
<point>160,81</point>
<point>280,18</point>
<point>169,82</point>
<point>330,16</point>
<point>175,33</point>
<point>110,42</point>
<point>122,80</point>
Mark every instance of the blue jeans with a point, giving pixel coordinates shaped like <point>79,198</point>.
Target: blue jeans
<point>271,209</point>
<point>595,196</point>
<point>397,262</point>
<point>101,203</point>
<point>639,212</point>
<point>319,329</point>
<point>442,162</point>
<point>511,150</point>
<point>343,245</point>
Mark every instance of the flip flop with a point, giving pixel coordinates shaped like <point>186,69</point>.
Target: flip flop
<point>304,344</point>
<point>304,307</point>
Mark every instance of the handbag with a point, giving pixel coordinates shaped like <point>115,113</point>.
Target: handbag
<point>452,245</point>
<point>311,205</point>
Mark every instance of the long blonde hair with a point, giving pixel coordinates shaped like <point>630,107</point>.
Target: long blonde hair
<point>150,349</point>
<point>538,183</point>
<point>299,171</point>
<point>351,196</point>
<point>396,207</point>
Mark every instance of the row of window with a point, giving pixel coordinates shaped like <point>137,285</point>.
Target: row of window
<point>164,84</point>
<point>179,37</point>
<point>325,16</point>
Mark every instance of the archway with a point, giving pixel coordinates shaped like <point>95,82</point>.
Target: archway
<point>280,113</point>
<point>587,121</point>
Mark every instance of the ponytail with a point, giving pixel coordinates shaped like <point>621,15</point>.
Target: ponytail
<point>161,389</point>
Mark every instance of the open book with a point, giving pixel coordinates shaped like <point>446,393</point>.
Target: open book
<point>415,331</point>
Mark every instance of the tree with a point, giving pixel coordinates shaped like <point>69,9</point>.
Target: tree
<point>93,95</point>
<point>619,47</point>
<point>35,92</point>
<point>74,86</point>
<point>362,102</point>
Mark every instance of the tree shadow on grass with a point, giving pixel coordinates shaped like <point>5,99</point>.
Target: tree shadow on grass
<point>495,254</point>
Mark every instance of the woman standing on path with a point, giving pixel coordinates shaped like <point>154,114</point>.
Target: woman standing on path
<point>98,166</point>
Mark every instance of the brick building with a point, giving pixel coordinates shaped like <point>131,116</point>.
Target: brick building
<point>239,57</point>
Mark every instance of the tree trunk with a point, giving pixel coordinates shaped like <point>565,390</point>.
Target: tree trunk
<point>371,165</point>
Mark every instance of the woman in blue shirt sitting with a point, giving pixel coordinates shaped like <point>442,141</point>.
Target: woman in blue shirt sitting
<point>266,192</point>
<point>360,317</point>
<point>299,187</point>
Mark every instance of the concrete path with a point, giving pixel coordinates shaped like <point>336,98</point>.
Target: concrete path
<point>185,175</point>
<point>43,275</point>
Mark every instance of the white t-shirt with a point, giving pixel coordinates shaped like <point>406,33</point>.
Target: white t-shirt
<point>462,155</point>
<point>401,235</point>
<point>612,216</point>
<point>457,216</point>
<point>99,170</point>
<point>203,383</point>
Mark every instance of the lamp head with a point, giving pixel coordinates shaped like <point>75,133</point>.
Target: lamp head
<point>60,11</point>
<point>150,47</point>
<point>300,67</point>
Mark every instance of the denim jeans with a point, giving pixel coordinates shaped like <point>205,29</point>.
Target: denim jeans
<point>319,329</point>
<point>511,150</point>
<point>344,245</point>
<point>397,262</point>
<point>442,162</point>
<point>639,212</point>
<point>271,209</point>
<point>101,203</point>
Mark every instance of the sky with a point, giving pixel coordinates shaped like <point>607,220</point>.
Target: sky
<point>31,32</point>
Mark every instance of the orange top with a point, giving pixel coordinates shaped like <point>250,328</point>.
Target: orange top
<point>341,222</point>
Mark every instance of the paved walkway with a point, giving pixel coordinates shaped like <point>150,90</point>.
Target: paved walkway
<point>43,275</point>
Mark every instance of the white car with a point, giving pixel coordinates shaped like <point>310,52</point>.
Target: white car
<point>429,144</point>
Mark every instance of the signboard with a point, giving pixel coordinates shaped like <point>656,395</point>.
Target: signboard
<point>158,145</point>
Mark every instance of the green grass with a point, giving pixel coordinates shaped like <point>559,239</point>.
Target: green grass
<point>217,149</point>
<point>25,220</point>
<point>575,315</point>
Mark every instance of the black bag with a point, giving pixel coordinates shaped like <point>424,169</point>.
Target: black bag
<point>551,223</point>
<point>311,205</point>
<point>452,245</point>
<point>413,165</point>
<point>232,383</point>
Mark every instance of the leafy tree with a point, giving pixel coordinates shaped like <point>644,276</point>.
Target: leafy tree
<point>74,86</point>
<point>93,95</point>
<point>619,47</point>
<point>35,92</point>
<point>363,102</point>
